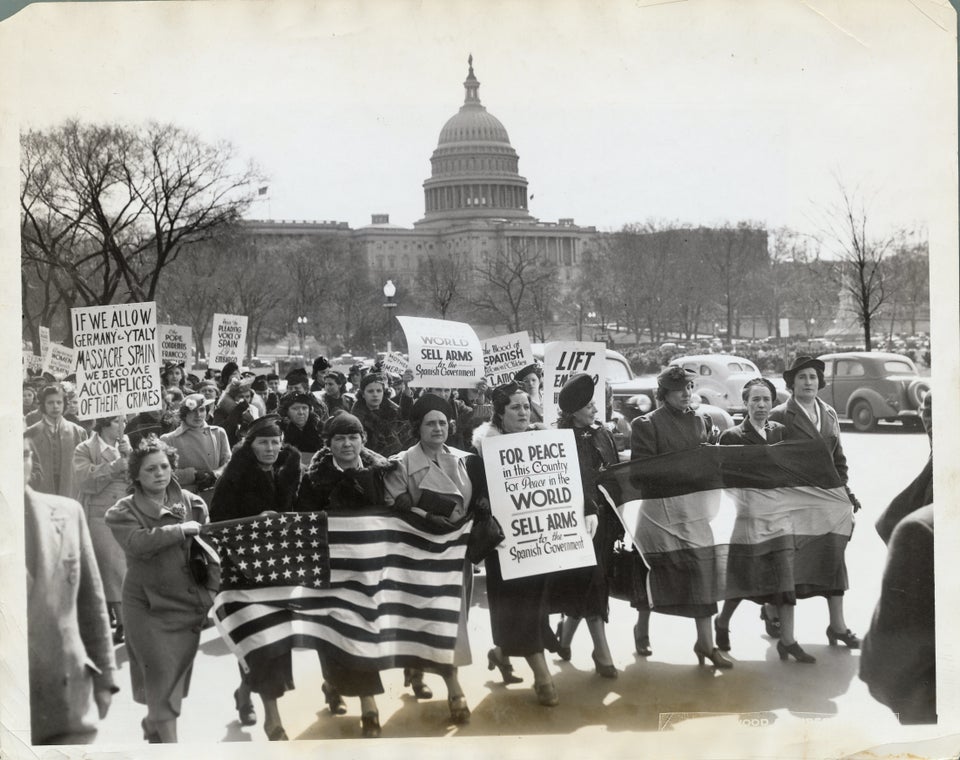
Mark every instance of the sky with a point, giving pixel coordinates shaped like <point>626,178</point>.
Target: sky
<point>698,112</point>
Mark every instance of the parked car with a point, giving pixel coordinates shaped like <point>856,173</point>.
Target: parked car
<point>866,387</point>
<point>721,377</point>
<point>635,395</point>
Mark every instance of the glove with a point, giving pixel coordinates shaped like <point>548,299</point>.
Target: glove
<point>205,479</point>
<point>853,500</point>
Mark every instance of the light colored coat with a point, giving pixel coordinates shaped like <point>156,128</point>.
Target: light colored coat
<point>799,425</point>
<point>418,473</point>
<point>43,478</point>
<point>68,631</point>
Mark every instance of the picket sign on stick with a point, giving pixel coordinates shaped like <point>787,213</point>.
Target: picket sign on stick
<point>176,344</point>
<point>44,341</point>
<point>561,359</point>
<point>59,361</point>
<point>395,363</point>
<point>504,356</point>
<point>443,354</point>
<point>228,339</point>
<point>537,496</point>
<point>118,365</point>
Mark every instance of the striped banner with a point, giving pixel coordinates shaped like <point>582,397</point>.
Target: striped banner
<point>728,522</point>
<point>376,590</point>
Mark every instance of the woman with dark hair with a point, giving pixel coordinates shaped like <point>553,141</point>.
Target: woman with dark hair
<point>804,417</point>
<point>530,379</point>
<point>520,608</point>
<point>164,605</point>
<point>386,430</point>
<point>346,476</point>
<point>675,426</point>
<point>101,479</point>
<point>236,411</point>
<point>262,476</point>
<point>320,366</point>
<point>745,568</point>
<point>437,482</point>
<point>583,593</point>
<point>301,420</point>
<point>334,394</point>
<point>171,376</point>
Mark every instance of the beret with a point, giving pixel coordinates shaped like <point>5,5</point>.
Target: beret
<point>428,402</point>
<point>576,393</point>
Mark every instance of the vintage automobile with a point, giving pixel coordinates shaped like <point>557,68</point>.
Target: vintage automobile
<point>866,387</point>
<point>720,379</point>
<point>633,396</point>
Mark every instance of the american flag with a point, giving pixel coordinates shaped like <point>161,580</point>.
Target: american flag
<point>376,589</point>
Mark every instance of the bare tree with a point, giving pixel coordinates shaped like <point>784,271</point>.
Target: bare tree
<point>733,254</point>
<point>443,279</point>
<point>908,280</point>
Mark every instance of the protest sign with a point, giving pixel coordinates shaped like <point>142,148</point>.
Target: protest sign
<point>228,339</point>
<point>176,344</point>
<point>44,341</point>
<point>395,363</point>
<point>537,497</point>
<point>562,359</point>
<point>118,366</point>
<point>59,360</point>
<point>443,354</point>
<point>31,364</point>
<point>504,355</point>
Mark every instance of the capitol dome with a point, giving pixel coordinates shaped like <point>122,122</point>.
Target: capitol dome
<point>474,167</point>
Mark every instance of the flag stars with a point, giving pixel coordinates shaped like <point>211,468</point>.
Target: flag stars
<point>257,564</point>
<point>314,530</point>
<point>285,559</point>
<point>268,547</point>
<point>300,558</point>
<point>259,577</point>
<point>301,571</point>
<point>274,575</point>
<point>315,557</point>
<point>299,544</point>
<point>288,573</point>
<point>271,561</point>
<point>284,544</point>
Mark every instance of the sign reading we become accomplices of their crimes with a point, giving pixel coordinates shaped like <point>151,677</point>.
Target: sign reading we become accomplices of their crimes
<point>118,366</point>
<point>443,354</point>
<point>537,497</point>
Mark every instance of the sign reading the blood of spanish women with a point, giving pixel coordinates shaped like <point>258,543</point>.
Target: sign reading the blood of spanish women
<point>59,360</point>
<point>118,366</point>
<point>537,497</point>
<point>443,354</point>
<point>176,343</point>
<point>228,339</point>
<point>561,359</point>
<point>504,355</point>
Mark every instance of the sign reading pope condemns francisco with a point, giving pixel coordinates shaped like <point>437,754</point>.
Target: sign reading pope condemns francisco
<point>176,342</point>
<point>537,497</point>
<point>118,367</point>
<point>443,354</point>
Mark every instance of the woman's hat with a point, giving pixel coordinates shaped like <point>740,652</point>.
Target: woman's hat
<point>289,399</point>
<point>297,376</point>
<point>342,424</point>
<point>372,377</point>
<point>195,401</point>
<point>576,393</point>
<point>320,364</point>
<point>675,378</point>
<point>522,373</point>
<point>802,362</point>
<point>267,426</point>
<point>429,402</point>
<point>229,369</point>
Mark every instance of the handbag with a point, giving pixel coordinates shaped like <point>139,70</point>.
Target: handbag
<point>485,535</point>
<point>625,577</point>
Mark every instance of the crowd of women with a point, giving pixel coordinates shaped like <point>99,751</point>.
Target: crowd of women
<point>232,446</point>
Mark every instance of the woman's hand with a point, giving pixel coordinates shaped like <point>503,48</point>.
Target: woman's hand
<point>123,446</point>
<point>592,523</point>
<point>190,528</point>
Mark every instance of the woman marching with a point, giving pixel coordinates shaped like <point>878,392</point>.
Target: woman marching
<point>262,475</point>
<point>164,605</point>
<point>747,570</point>
<point>434,480</point>
<point>346,476</point>
<point>520,608</point>
<point>583,593</point>
<point>805,417</point>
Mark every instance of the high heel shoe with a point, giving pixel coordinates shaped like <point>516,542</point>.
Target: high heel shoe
<point>772,624</point>
<point>547,694</point>
<point>245,712</point>
<point>333,699</point>
<point>798,654</point>
<point>715,656</point>
<point>723,637</point>
<point>642,643</point>
<point>605,671</point>
<point>848,637</point>
<point>370,725</point>
<point>413,677</point>
<point>276,733</point>
<point>459,712</point>
<point>152,737</point>
<point>495,659</point>
<point>563,652</point>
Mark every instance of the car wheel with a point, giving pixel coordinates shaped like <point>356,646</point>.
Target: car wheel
<point>863,419</point>
<point>916,391</point>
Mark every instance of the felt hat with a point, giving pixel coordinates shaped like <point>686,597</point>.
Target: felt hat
<point>803,362</point>
<point>372,377</point>
<point>320,364</point>
<point>675,378</point>
<point>522,373</point>
<point>297,376</point>
<point>267,426</point>
<point>576,393</point>
<point>770,386</point>
<point>428,402</point>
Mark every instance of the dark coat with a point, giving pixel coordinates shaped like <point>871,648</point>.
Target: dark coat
<point>307,439</point>
<point>918,494</point>
<point>799,426</point>
<point>745,434</point>
<point>595,448</point>
<point>665,429</point>
<point>245,490</point>
<point>387,432</point>
<point>325,487</point>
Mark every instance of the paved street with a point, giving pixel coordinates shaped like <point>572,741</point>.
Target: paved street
<point>667,692</point>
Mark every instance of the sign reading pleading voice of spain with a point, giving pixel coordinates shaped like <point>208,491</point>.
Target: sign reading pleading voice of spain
<point>59,360</point>
<point>443,354</point>
<point>228,339</point>
<point>118,366</point>
<point>561,359</point>
<point>537,497</point>
<point>176,343</point>
<point>504,355</point>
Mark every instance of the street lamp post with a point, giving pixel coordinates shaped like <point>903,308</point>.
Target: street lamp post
<point>301,330</point>
<point>389,291</point>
